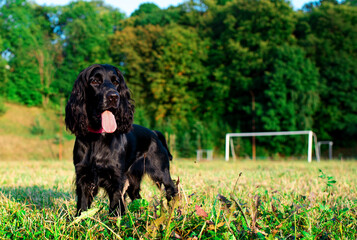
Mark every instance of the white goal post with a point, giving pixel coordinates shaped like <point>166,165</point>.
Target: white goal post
<point>251,134</point>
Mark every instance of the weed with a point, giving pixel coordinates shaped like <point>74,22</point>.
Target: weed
<point>329,181</point>
<point>36,128</point>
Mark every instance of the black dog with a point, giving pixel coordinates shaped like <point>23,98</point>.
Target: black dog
<point>110,151</point>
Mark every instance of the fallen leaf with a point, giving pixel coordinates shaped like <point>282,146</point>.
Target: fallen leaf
<point>213,227</point>
<point>200,212</point>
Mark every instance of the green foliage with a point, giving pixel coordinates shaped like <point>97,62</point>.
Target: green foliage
<point>167,72</point>
<point>149,13</point>
<point>84,28</point>
<point>146,8</point>
<point>36,128</point>
<point>291,82</point>
<point>3,68</point>
<point>2,106</point>
<point>28,51</point>
<point>197,70</point>
<point>329,180</point>
<point>350,2</point>
<point>328,34</point>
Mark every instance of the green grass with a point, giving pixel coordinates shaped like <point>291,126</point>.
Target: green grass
<point>218,200</point>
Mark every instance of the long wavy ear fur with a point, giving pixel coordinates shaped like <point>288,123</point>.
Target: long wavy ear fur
<point>125,114</point>
<point>76,114</point>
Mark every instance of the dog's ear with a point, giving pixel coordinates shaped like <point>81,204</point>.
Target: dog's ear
<point>125,114</point>
<point>76,114</point>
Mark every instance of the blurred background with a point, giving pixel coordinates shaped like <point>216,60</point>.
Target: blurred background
<point>197,70</point>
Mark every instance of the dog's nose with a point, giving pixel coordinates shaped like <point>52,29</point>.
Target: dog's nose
<point>112,97</point>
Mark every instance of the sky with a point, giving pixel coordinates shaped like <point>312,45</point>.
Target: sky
<point>128,6</point>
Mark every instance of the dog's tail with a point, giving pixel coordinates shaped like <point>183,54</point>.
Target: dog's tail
<point>163,141</point>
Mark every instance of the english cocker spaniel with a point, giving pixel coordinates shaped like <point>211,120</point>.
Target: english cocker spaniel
<point>110,152</point>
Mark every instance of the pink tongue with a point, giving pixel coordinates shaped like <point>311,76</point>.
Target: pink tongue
<point>109,124</point>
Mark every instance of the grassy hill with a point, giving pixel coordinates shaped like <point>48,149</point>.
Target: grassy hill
<point>33,133</point>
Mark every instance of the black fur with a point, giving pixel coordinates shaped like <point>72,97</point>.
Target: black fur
<point>109,160</point>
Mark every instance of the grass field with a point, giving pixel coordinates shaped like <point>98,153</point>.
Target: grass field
<point>218,200</point>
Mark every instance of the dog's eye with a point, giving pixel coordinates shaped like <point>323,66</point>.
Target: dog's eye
<point>95,81</point>
<point>115,81</point>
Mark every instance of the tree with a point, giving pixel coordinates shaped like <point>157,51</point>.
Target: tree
<point>329,33</point>
<point>85,28</point>
<point>146,8</point>
<point>350,2</point>
<point>133,50</point>
<point>164,68</point>
<point>290,96</point>
<point>308,7</point>
<point>253,56</point>
<point>243,32</point>
<point>3,68</point>
<point>29,51</point>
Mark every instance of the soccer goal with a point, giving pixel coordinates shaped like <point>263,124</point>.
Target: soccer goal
<point>310,135</point>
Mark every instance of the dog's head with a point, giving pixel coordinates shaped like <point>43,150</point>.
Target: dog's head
<point>100,102</point>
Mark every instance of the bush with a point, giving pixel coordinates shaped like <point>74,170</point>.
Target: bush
<point>36,128</point>
<point>2,107</point>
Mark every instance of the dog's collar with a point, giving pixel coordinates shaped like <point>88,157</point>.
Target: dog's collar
<point>101,130</point>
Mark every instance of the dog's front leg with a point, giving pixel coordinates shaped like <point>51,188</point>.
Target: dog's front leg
<point>116,192</point>
<point>116,207</point>
<point>85,195</point>
<point>86,188</point>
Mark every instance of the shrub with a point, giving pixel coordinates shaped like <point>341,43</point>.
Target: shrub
<point>2,107</point>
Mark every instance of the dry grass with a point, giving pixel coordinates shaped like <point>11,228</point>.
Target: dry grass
<point>19,139</point>
<point>269,200</point>
<point>16,148</point>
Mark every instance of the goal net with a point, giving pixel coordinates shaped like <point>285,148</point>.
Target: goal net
<point>311,138</point>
